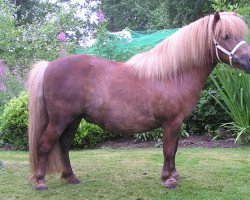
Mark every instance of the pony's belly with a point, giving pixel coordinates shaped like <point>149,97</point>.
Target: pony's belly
<point>129,125</point>
<point>123,122</point>
<point>128,130</point>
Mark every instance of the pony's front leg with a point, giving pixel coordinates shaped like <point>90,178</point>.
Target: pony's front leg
<point>169,175</point>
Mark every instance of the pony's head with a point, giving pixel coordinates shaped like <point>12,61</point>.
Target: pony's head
<point>230,47</point>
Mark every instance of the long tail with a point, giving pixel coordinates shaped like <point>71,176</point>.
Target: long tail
<point>38,121</point>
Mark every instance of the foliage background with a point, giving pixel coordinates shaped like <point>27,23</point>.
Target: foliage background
<point>28,33</point>
<point>154,15</point>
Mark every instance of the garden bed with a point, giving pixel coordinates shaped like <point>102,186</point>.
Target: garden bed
<point>192,141</point>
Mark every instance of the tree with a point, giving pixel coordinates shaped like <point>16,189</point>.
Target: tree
<point>182,12</point>
<point>242,7</point>
<point>29,10</point>
<point>158,14</point>
<point>131,14</point>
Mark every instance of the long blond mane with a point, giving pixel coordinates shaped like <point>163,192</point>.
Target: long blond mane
<point>191,46</point>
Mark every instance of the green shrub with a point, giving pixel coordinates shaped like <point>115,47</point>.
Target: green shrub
<point>89,135</point>
<point>154,135</point>
<point>14,122</point>
<point>11,85</point>
<point>234,89</point>
<point>14,127</point>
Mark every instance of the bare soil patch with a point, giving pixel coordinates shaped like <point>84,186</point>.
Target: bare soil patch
<point>191,141</point>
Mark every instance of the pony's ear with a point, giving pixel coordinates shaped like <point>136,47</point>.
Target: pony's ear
<point>216,19</point>
<point>216,16</point>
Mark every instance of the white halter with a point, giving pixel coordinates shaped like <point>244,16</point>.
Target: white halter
<point>230,54</point>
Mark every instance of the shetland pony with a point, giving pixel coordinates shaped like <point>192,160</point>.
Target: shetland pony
<point>157,88</point>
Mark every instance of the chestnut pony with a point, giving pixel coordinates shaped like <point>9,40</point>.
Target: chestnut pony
<point>157,88</point>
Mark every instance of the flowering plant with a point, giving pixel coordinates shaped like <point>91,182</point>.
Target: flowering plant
<point>61,36</point>
<point>100,16</point>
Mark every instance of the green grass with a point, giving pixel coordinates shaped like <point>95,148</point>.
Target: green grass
<point>135,174</point>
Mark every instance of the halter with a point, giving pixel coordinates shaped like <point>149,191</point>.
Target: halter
<point>230,54</point>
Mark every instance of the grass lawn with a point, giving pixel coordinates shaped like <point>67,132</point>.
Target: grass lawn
<point>135,174</point>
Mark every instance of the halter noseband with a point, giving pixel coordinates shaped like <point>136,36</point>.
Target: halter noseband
<point>230,54</point>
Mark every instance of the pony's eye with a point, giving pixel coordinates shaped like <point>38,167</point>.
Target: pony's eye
<point>226,37</point>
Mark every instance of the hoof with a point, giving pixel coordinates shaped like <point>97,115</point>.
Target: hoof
<point>176,176</point>
<point>41,187</point>
<point>170,183</point>
<point>73,181</point>
<point>70,179</point>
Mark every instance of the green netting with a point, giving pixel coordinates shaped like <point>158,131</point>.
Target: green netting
<point>121,47</point>
<point>149,38</point>
<point>140,41</point>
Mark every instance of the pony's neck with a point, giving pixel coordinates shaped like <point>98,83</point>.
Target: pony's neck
<point>194,80</point>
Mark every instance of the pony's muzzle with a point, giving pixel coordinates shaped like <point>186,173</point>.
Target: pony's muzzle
<point>243,62</point>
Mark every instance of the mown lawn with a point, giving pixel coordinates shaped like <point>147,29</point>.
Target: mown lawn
<point>135,174</point>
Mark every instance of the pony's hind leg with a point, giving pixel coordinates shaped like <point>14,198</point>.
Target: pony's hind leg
<point>48,139</point>
<point>65,142</point>
<point>169,174</point>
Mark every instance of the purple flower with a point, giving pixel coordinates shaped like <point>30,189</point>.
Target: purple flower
<point>100,16</point>
<point>61,36</point>
<point>2,87</point>
<point>17,76</point>
<point>1,70</point>
<point>1,67</point>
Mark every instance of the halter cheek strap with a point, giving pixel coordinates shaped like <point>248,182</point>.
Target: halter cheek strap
<point>230,54</point>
